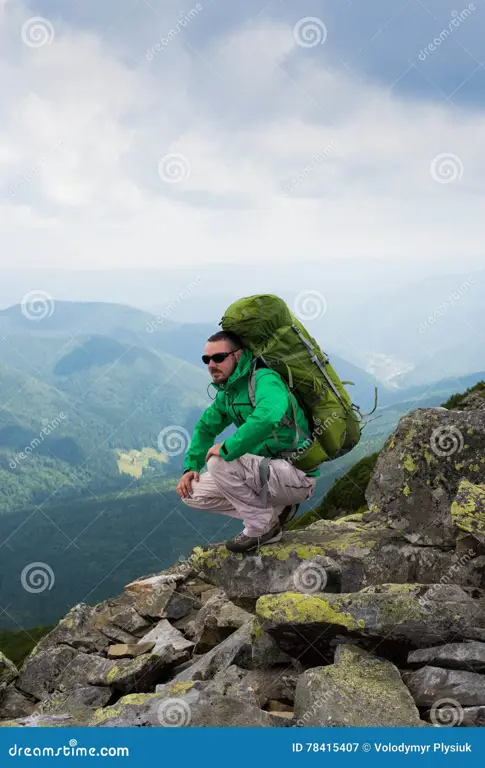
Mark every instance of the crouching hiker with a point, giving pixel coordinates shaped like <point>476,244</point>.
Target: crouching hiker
<point>245,478</point>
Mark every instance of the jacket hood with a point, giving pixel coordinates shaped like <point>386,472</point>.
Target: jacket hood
<point>241,370</point>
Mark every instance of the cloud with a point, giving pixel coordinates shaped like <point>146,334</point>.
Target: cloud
<point>283,155</point>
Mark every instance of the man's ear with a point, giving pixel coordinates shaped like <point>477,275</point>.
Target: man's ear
<point>238,354</point>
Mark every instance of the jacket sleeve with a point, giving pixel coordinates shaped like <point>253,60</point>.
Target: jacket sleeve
<point>212,422</point>
<point>271,404</point>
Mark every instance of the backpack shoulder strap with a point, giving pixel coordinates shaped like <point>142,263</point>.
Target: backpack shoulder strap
<point>257,363</point>
<point>252,383</point>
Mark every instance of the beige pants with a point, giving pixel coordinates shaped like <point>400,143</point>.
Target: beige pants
<point>234,488</point>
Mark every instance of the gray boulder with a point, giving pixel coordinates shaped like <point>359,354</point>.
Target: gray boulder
<point>419,469</point>
<point>14,703</point>
<point>358,690</point>
<point>392,616</point>
<point>182,705</point>
<point>469,656</point>
<point>216,620</point>
<point>431,684</point>
<point>40,673</point>
<point>8,671</point>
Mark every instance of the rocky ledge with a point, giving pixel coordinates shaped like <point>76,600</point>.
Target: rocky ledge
<point>373,619</point>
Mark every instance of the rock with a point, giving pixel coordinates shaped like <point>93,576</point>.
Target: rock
<point>155,583</point>
<point>182,705</point>
<point>8,671</point>
<point>136,675</point>
<point>167,603</point>
<point>42,721</point>
<point>40,673</point>
<point>115,634</point>
<point>419,469</point>
<point>473,717</point>
<point>249,647</point>
<point>232,682</point>
<point>474,401</point>
<point>136,649</point>
<point>79,702</point>
<point>265,652</point>
<point>469,656</point>
<point>468,509</point>
<point>180,604</point>
<point>14,703</point>
<point>205,596</point>
<point>197,587</point>
<point>164,636</point>
<point>358,690</point>
<point>73,627</point>
<point>277,683</point>
<point>236,648</point>
<point>430,684</point>
<point>277,706</point>
<point>94,643</point>
<point>216,620</point>
<point>82,668</point>
<point>121,613</point>
<point>399,615</point>
<point>279,719</point>
<point>186,624</point>
<point>333,556</point>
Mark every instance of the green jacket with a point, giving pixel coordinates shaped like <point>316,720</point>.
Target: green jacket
<point>258,429</point>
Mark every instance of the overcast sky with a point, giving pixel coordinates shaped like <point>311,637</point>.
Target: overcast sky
<point>154,133</point>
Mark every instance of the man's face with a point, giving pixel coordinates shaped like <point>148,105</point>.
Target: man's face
<point>220,372</point>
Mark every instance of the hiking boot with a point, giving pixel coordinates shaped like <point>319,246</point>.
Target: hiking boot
<point>288,514</point>
<point>243,543</point>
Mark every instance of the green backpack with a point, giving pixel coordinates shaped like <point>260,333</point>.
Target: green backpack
<point>279,341</point>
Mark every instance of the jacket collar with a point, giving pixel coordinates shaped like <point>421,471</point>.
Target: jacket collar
<point>241,370</point>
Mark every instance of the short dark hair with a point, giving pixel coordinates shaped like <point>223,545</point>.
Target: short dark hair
<point>229,336</point>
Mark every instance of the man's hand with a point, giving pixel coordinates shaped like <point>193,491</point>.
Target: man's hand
<point>214,451</point>
<point>184,487</point>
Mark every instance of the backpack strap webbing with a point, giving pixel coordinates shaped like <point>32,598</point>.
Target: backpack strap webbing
<point>286,421</point>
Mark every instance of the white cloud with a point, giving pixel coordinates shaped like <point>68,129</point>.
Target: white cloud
<point>81,135</point>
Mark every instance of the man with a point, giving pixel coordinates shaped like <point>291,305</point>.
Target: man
<point>236,482</point>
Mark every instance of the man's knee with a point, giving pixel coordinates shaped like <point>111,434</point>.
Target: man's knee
<point>215,464</point>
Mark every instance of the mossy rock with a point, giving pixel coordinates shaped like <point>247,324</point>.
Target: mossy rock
<point>347,494</point>
<point>358,690</point>
<point>393,616</point>
<point>468,509</point>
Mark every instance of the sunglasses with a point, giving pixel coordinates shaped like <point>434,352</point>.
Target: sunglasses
<point>218,357</point>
